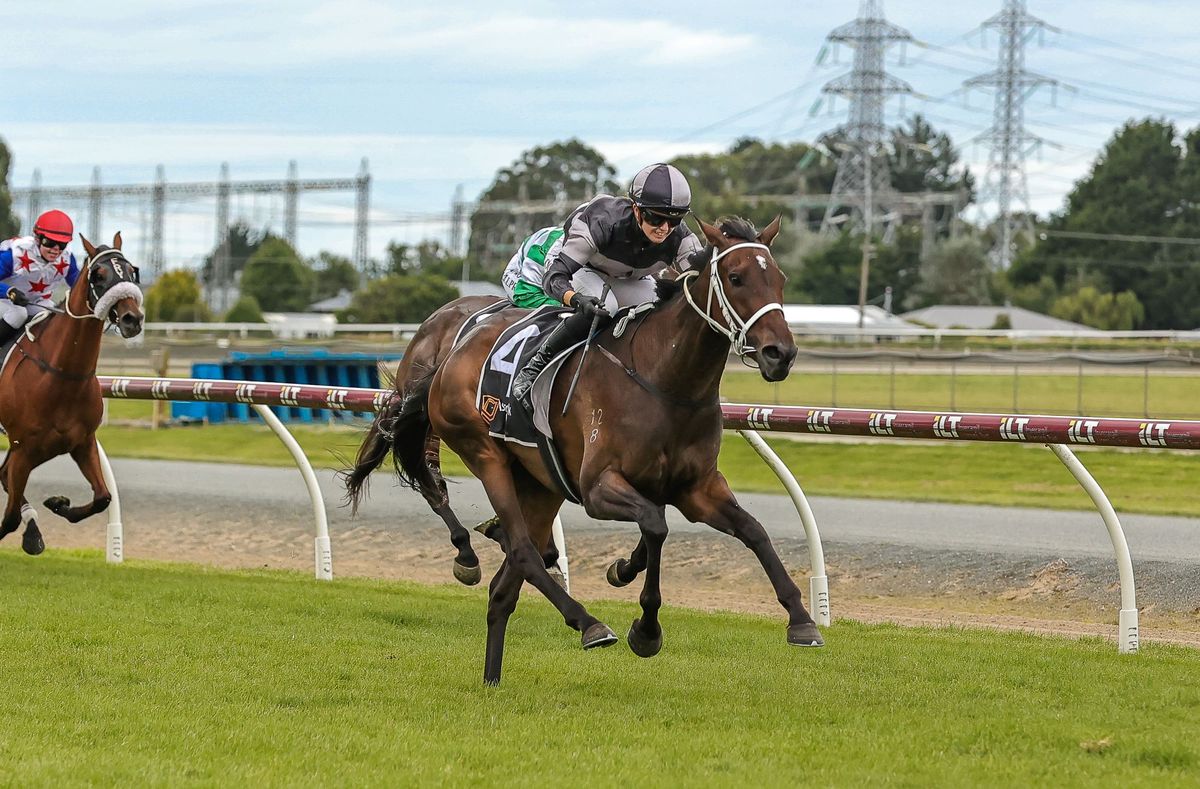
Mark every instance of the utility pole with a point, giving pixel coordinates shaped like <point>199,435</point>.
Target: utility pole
<point>362,209</point>
<point>94,208</point>
<point>291,194</point>
<point>1011,83</point>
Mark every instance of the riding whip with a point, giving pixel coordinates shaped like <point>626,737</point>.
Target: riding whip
<point>586,347</point>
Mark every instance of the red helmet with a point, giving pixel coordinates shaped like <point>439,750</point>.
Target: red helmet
<point>54,225</point>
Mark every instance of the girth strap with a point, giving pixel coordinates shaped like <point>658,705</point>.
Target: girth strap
<point>649,387</point>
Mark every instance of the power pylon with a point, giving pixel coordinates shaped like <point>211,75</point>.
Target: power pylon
<point>863,182</point>
<point>1011,84</point>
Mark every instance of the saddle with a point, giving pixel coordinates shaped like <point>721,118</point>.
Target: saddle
<point>6,350</point>
<point>505,417</point>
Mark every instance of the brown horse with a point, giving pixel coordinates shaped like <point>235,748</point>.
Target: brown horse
<point>50,401</point>
<point>633,443</point>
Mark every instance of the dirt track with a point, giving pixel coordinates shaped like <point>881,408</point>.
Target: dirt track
<point>869,581</point>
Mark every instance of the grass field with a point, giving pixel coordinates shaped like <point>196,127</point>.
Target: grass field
<point>168,674</point>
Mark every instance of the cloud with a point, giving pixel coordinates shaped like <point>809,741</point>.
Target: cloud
<point>224,39</point>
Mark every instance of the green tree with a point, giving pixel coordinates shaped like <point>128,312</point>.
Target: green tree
<point>399,298</point>
<point>332,274</point>
<point>245,310</point>
<point>171,292</point>
<point>1109,311</point>
<point>277,278</point>
<point>1144,182</point>
<point>955,272</point>
<point>567,173</point>
<point>242,242</point>
<point>9,226</point>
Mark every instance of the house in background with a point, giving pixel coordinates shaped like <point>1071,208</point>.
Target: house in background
<point>953,316</point>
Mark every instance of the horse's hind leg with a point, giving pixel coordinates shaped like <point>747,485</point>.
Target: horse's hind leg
<point>18,468</point>
<point>87,458</point>
<point>713,503</point>
<point>466,564</point>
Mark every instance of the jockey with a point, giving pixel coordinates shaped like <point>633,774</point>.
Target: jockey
<point>30,267</point>
<point>522,278</point>
<point>611,249</point>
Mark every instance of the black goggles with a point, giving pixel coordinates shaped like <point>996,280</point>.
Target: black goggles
<point>50,243</point>
<point>655,219</point>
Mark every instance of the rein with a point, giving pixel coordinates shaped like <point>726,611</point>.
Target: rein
<point>46,367</point>
<point>735,328</point>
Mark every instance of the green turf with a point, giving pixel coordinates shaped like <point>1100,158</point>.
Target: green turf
<point>151,674</point>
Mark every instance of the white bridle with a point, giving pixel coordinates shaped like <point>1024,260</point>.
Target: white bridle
<point>735,328</point>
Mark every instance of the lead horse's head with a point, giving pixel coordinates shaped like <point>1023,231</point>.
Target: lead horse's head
<point>111,288</point>
<point>746,285</point>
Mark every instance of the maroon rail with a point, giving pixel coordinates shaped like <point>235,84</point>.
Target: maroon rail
<point>945,426</point>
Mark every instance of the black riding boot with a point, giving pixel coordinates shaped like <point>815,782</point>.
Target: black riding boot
<point>565,334</point>
<point>7,333</point>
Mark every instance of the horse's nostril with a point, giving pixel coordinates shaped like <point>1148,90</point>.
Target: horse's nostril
<point>772,353</point>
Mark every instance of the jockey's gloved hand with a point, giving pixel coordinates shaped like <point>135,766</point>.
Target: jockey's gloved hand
<point>588,305</point>
<point>17,297</point>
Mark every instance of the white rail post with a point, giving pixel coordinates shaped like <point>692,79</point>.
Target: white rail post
<point>818,584</point>
<point>560,543</point>
<point>324,552</point>
<point>1127,633</point>
<point>114,551</point>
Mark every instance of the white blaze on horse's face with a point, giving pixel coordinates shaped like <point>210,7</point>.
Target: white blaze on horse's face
<point>762,262</point>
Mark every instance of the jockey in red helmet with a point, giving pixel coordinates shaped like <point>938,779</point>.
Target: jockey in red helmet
<point>30,267</point>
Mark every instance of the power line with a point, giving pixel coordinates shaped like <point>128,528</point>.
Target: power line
<point>1185,240</point>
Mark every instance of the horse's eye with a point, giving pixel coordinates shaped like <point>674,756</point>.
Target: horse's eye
<point>735,280</point>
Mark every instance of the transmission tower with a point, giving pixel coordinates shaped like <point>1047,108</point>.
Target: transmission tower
<point>863,183</point>
<point>1011,84</point>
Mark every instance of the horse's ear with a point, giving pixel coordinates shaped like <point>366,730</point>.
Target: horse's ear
<point>87,245</point>
<point>117,240</point>
<point>770,231</point>
<point>714,236</point>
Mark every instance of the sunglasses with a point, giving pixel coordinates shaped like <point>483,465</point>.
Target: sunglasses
<point>50,243</point>
<point>655,219</point>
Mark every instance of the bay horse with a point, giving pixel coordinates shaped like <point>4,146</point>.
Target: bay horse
<point>632,443</point>
<point>50,401</point>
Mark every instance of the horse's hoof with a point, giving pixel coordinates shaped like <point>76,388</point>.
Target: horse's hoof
<point>468,576</point>
<point>641,646</point>
<point>31,542</point>
<point>488,527</point>
<point>57,504</point>
<point>805,635</point>
<point>557,576</point>
<point>599,635</point>
<point>614,577</point>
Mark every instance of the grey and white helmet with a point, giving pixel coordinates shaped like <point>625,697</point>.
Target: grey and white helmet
<point>662,189</point>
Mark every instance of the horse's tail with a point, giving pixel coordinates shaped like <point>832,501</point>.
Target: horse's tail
<point>401,427</point>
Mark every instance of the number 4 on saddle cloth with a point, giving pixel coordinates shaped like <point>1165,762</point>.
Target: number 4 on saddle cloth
<point>506,419</point>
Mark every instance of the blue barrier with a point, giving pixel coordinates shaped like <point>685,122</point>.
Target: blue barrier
<point>316,367</point>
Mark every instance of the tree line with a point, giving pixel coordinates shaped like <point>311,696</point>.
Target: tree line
<point>1122,253</point>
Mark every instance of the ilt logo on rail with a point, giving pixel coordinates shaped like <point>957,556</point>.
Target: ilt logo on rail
<point>120,387</point>
<point>1082,431</point>
<point>818,421</point>
<point>202,390</point>
<point>880,424</point>
<point>1153,434</point>
<point>759,418</point>
<point>160,389</point>
<point>946,426</point>
<point>1012,428</point>
<point>289,395</point>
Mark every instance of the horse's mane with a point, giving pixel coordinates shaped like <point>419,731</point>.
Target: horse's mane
<point>732,227</point>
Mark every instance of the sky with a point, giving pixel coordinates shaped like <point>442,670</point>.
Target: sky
<point>437,95</point>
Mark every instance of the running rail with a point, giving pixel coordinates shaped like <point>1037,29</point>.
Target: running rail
<point>1056,432</point>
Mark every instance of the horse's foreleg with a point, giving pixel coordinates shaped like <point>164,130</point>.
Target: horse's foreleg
<point>613,497</point>
<point>18,467</point>
<point>623,572</point>
<point>713,503</point>
<point>87,457</point>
